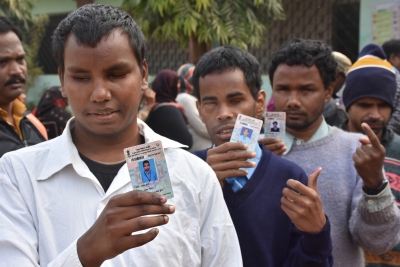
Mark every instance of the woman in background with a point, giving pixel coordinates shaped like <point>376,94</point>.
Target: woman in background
<point>167,117</point>
<point>201,138</point>
<point>51,112</point>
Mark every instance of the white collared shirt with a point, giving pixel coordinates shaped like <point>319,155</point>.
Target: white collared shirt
<point>49,198</point>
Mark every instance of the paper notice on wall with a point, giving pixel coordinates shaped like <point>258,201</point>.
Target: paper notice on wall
<point>385,21</point>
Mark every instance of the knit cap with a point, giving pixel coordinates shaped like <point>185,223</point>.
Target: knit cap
<point>370,76</point>
<point>343,62</point>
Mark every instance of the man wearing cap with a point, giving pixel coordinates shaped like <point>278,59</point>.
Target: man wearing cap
<point>368,97</point>
<point>334,113</point>
<point>392,51</point>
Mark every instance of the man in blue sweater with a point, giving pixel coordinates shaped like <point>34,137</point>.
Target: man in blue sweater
<point>279,220</point>
<point>369,97</point>
<point>352,187</point>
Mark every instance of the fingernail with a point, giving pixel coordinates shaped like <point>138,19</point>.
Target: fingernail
<point>161,199</point>
<point>253,164</point>
<point>156,230</point>
<point>166,218</point>
<point>171,209</point>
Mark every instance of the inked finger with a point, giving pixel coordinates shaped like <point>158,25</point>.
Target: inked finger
<point>135,197</point>
<point>371,135</point>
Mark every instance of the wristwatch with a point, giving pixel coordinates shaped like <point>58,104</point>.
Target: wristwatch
<point>377,190</point>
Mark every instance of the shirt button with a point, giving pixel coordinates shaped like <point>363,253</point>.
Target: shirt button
<point>370,201</point>
<point>298,142</point>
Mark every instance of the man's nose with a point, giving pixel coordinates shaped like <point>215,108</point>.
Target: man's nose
<point>225,113</point>
<point>15,68</point>
<point>100,92</point>
<point>374,113</point>
<point>293,100</point>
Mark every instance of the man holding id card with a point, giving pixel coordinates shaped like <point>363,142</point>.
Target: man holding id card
<point>70,201</point>
<point>353,188</point>
<point>276,210</point>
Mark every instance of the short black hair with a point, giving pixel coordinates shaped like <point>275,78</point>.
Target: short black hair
<point>391,47</point>
<point>90,23</point>
<point>146,161</point>
<point>307,53</point>
<point>6,25</point>
<point>275,122</point>
<point>228,57</point>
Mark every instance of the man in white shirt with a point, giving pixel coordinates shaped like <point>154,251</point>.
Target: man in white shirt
<point>69,201</point>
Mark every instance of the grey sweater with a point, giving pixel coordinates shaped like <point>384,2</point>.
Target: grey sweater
<point>340,188</point>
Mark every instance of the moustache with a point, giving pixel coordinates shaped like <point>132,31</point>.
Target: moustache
<point>294,111</point>
<point>375,122</point>
<point>14,79</point>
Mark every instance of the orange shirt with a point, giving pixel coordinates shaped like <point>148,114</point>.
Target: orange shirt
<point>18,109</point>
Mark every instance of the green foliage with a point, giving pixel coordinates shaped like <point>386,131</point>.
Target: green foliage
<point>236,22</point>
<point>33,28</point>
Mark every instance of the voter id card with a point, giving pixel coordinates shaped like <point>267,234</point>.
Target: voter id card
<point>148,168</point>
<point>275,124</point>
<point>246,131</point>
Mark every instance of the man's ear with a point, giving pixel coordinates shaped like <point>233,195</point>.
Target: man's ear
<point>328,92</point>
<point>61,77</point>
<point>261,103</point>
<point>198,106</point>
<point>145,74</point>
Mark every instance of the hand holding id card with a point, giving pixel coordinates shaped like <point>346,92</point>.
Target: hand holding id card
<point>275,124</point>
<point>246,131</point>
<point>148,168</point>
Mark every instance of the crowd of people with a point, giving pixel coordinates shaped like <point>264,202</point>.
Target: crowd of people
<point>327,194</point>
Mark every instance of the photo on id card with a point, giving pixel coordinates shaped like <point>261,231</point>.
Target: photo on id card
<point>275,124</point>
<point>246,131</point>
<point>148,168</point>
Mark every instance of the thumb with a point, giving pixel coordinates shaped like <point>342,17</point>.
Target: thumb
<point>312,179</point>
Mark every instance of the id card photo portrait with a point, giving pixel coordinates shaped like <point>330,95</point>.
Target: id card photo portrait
<point>148,170</point>
<point>245,135</point>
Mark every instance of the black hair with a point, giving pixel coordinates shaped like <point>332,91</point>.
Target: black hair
<point>228,57</point>
<point>391,47</point>
<point>146,161</point>
<point>6,25</point>
<point>90,23</point>
<point>307,53</point>
<point>275,122</point>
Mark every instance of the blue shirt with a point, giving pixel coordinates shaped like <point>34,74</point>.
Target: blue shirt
<point>149,177</point>
<point>243,140</point>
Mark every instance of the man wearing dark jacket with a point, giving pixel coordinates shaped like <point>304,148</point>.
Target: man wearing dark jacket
<point>16,130</point>
<point>369,97</point>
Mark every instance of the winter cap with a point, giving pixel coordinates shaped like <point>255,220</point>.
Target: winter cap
<point>370,76</point>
